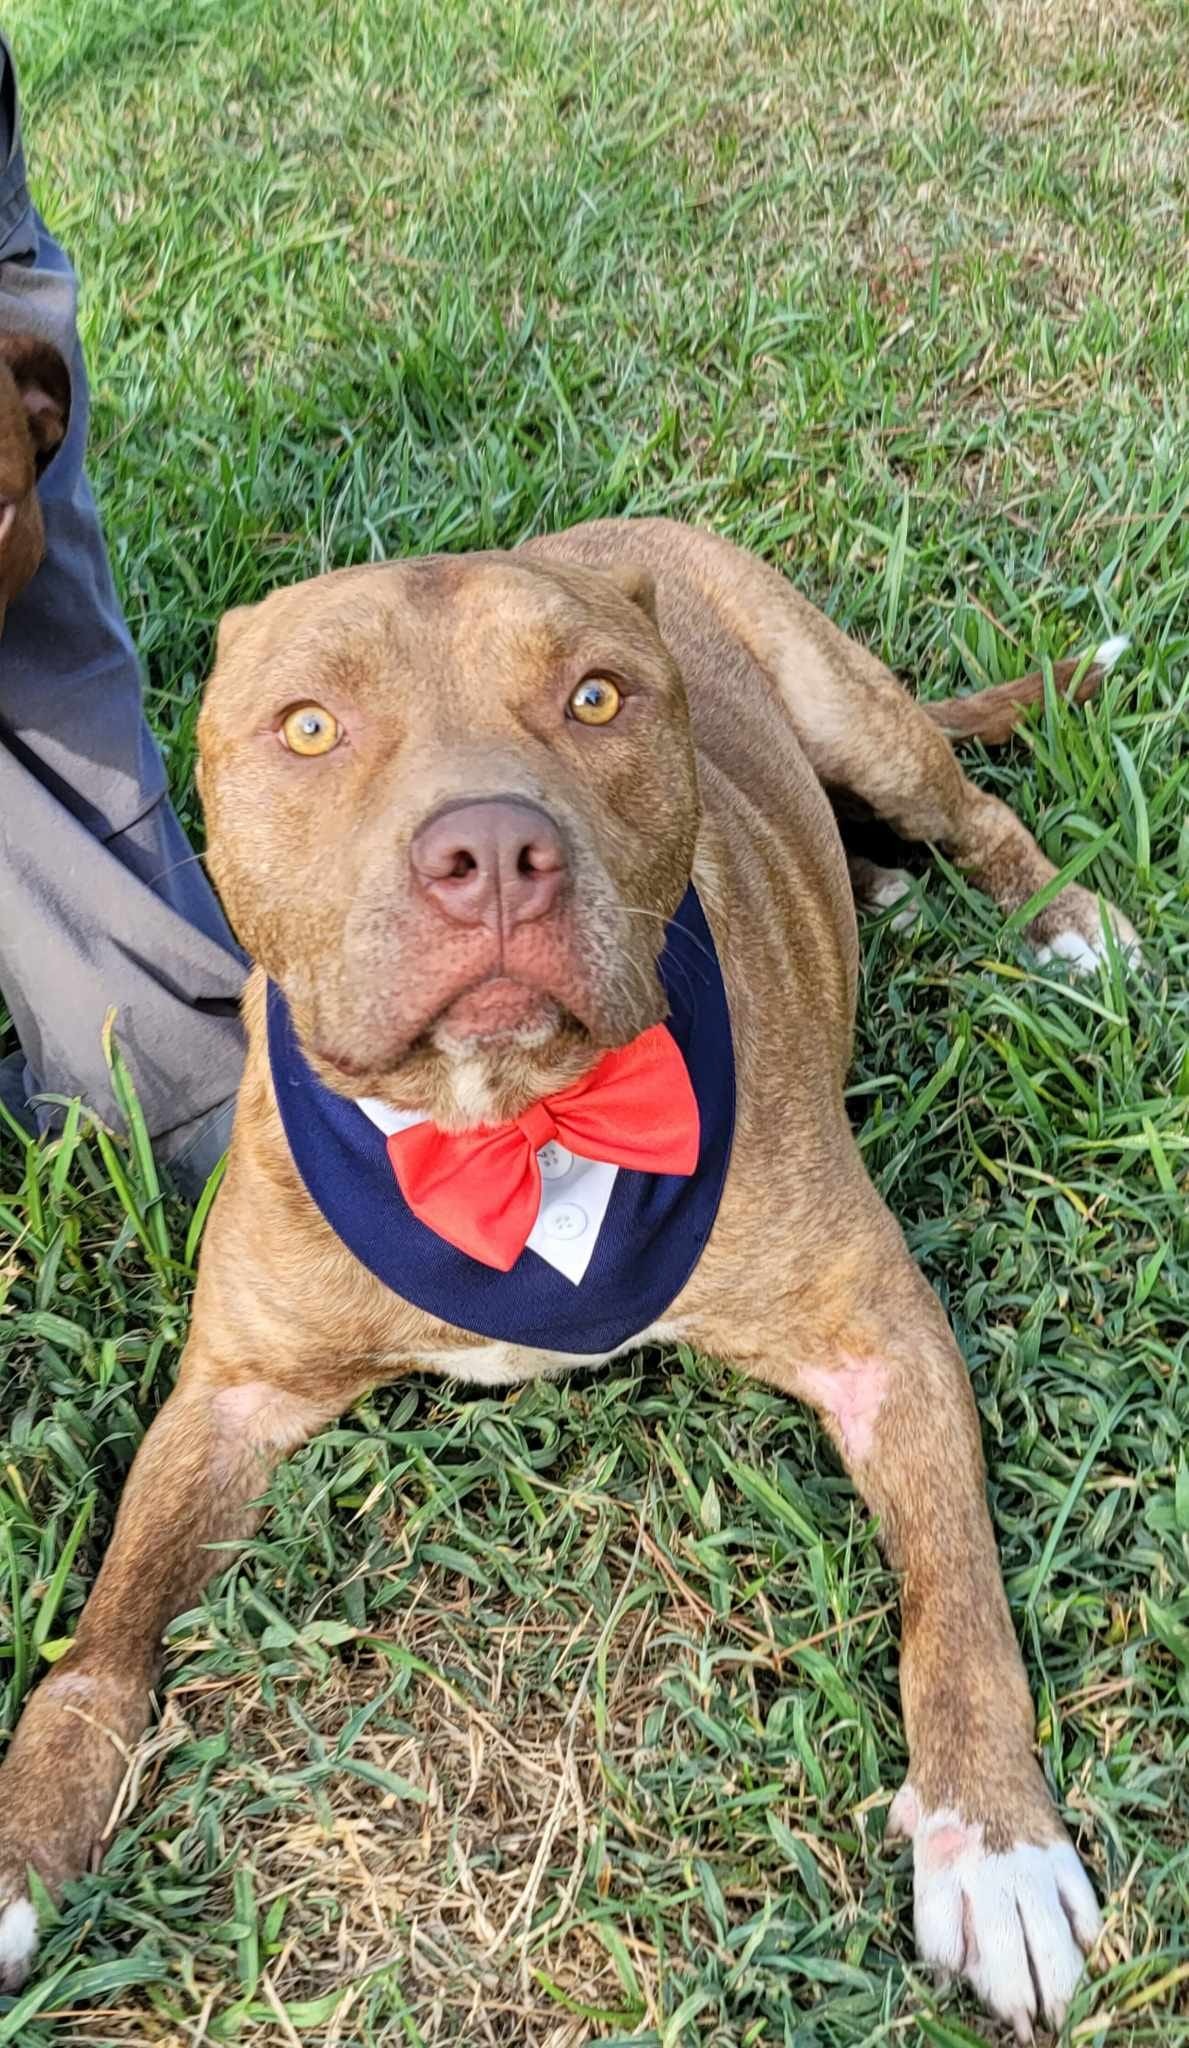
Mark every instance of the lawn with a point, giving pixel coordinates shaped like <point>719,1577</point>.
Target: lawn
<point>572,1716</point>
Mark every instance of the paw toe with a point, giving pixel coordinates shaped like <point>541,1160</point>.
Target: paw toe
<point>941,1924</point>
<point>1076,1895</point>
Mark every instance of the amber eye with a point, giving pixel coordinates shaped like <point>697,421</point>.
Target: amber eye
<point>595,701</point>
<point>310,729</point>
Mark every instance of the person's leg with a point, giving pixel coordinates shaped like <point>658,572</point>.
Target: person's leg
<point>103,905</point>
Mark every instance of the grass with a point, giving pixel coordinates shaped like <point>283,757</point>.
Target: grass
<point>572,1717</point>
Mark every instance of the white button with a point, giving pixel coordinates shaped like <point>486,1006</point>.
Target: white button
<point>566,1220</point>
<point>554,1160</point>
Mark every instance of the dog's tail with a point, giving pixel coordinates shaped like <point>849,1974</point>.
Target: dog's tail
<point>993,715</point>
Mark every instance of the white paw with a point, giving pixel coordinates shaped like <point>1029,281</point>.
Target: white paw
<point>1085,955</point>
<point>18,1942</point>
<point>1016,1925</point>
<point>1083,945</point>
<point>892,886</point>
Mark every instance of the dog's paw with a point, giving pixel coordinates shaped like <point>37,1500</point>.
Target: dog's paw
<point>879,889</point>
<point>895,887</point>
<point>58,1786</point>
<point>18,1933</point>
<point>1016,1924</point>
<point>1070,930</point>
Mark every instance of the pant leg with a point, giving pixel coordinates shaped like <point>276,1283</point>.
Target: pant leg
<point>102,903</point>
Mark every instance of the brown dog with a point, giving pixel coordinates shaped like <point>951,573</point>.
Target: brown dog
<point>454,806</point>
<point>34,413</point>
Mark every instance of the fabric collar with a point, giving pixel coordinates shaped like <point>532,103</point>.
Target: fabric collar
<point>652,1232</point>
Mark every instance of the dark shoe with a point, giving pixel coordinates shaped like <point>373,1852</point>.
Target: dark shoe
<point>187,1156</point>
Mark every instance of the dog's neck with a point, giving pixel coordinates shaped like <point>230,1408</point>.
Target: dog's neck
<point>470,1089</point>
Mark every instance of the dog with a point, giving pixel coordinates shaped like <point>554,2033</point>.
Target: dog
<point>34,416</point>
<point>551,1016</point>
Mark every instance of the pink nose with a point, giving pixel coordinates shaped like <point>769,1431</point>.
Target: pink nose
<point>498,862</point>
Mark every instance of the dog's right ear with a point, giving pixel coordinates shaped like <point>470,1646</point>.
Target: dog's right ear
<point>43,382</point>
<point>637,584</point>
<point>231,625</point>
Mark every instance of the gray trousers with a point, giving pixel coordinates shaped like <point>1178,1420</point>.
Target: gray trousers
<point>102,903</point>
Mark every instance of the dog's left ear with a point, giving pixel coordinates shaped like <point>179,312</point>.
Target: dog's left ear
<point>230,627</point>
<point>43,381</point>
<point>637,584</point>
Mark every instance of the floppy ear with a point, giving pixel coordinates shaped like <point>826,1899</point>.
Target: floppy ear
<point>43,381</point>
<point>637,584</point>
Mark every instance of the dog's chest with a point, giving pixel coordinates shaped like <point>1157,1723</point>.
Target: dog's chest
<point>512,1365</point>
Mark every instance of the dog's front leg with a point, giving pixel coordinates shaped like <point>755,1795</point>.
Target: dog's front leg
<point>1000,1894</point>
<point>194,1483</point>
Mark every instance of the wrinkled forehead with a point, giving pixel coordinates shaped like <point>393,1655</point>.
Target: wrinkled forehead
<point>363,632</point>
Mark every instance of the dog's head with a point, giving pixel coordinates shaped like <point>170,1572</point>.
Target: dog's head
<point>451,805</point>
<point>34,414</point>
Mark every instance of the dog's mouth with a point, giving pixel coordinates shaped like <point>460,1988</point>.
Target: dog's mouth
<point>495,1016</point>
<point>500,1010</point>
<point>521,1011</point>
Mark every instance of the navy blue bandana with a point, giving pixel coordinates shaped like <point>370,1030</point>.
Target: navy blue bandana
<point>653,1230</point>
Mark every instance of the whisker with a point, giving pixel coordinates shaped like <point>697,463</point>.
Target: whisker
<point>174,866</point>
<point>637,910</point>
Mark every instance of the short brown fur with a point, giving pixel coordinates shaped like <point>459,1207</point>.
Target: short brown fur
<point>451,677</point>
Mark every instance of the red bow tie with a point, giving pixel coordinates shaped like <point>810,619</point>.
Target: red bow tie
<point>481,1189</point>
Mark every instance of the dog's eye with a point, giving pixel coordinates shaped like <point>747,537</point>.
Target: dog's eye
<point>310,729</point>
<point>595,701</point>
